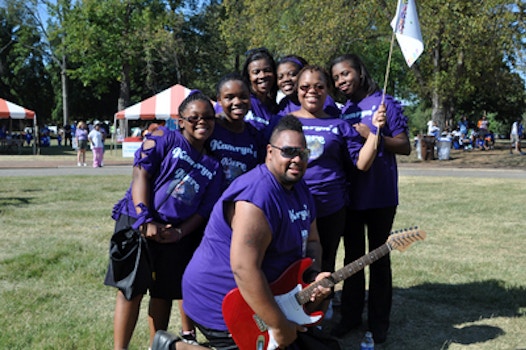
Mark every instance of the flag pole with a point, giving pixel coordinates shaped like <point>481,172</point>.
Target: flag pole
<point>388,66</point>
<point>377,141</point>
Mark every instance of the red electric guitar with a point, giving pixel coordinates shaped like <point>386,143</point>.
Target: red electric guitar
<point>291,293</point>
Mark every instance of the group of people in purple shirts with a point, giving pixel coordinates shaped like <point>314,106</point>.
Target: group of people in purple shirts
<point>243,190</point>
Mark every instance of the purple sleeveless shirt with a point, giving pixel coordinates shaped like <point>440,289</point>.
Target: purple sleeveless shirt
<point>184,181</point>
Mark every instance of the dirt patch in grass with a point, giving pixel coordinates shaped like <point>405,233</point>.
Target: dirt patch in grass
<point>498,158</point>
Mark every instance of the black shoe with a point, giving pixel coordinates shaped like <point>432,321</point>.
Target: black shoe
<point>343,328</point>
<point>379,337</point>
<point>189,337</point>
<point>164,341</point>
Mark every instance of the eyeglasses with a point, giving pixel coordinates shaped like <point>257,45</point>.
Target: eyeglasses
<point>292,152</point>
<point>306,88</point>
<point>194,119</point>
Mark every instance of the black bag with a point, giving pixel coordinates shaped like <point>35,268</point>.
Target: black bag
<point>130,268</point>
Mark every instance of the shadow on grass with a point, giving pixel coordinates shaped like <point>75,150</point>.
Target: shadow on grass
<point>14,201</point>
<point>436,316</point>
<point>440,314</point>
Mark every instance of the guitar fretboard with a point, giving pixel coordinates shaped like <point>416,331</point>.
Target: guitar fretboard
<point>347,271</point>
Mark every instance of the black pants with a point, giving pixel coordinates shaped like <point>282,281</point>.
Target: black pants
<point>310,340</point>
<point>379,223</point>
<point>331,229</point>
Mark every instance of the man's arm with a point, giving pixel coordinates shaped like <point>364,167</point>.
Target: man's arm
<point>251,236</point>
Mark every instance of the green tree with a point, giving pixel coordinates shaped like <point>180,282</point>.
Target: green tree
<point>470,47</point>
<point>23,76</point>
<point>314,29</point>
<point>107,40</point>
<point>204,57</point>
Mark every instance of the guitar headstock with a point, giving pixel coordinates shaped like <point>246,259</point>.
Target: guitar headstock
<point>402,239</point>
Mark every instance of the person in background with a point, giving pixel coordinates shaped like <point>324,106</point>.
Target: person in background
<point>463,125</point>
<point>60,135</point>
<point>335,145</point>
<point>434,130</point>
<point>483,125</point>
<point>263,223</point>
<point>175,185</point>
<point>68,135</point>
<point>287,71</point>
<point>489,140</point>
<point>81,139</point>
<point>373,195</point>
<point>237,144</point>
<point>28,135</point>
<point>96,140</point>
<point>516,133</point>
<point>104,133</point>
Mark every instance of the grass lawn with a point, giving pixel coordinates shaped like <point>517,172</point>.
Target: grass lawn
<point>464,287</point>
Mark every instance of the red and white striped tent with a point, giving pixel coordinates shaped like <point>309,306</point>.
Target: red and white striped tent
<point>14,111</point>
<point>11,111</point>
<point>163,106</point>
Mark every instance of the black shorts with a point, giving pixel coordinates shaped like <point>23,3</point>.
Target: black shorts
<point>83,144</point>
<point>169,262</point>
<point>218,340</point>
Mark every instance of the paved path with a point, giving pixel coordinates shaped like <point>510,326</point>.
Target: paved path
<point>462,172</point>
<point>123,167</point>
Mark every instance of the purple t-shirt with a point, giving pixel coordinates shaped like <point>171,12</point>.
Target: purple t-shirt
<point>287,106</point>
<point>334,146</point>
<point>208,277</point>
<point>81,134</point>
<point>183,181</point>
<point>237,152</point>
<point>260,116</point>
<point>378,187</point>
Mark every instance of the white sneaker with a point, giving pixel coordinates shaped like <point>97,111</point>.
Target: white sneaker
<point>78,164</point>
<point>84,164</point>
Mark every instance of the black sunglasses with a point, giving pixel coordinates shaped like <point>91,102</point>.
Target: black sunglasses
<point>195,119</point>
<point>292,152</point>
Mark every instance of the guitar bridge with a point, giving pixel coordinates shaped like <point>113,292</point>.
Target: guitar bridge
<point>262,326</point>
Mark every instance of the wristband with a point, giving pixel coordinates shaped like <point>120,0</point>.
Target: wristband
<point>143,218</point>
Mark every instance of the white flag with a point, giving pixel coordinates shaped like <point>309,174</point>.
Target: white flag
<point>407,29</point>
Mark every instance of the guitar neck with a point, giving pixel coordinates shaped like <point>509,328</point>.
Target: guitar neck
<point>345,272</point>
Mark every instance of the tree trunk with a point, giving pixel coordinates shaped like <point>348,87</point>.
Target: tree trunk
<point>64,81</point>
<point>124,91</point>
<point>438,113</point>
